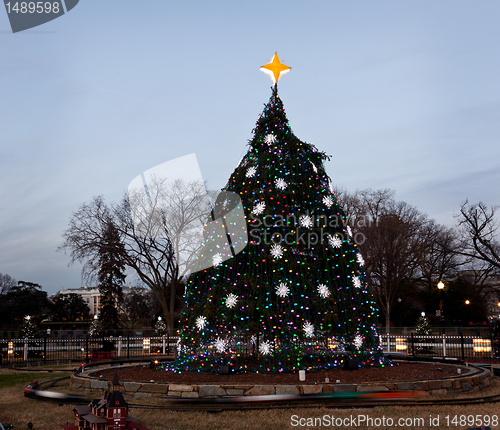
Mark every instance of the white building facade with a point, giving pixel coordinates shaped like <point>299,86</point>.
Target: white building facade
<point>90,295</point>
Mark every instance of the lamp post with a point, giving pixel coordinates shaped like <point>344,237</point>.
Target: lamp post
<point>399,310</point>
<point>468,313</point>
<point>440,286</point>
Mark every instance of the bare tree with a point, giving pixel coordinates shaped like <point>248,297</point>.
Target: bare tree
<point>160,231</point>
<point>392,237</point>
<point>6,283</point>
<point>395,248</point>
<point>479,231</point>
<point>442,259</point>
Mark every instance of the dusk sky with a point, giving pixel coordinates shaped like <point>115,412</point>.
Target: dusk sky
<point>402,95</point>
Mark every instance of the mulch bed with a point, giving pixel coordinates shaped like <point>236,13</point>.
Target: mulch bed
<point>398,372</point>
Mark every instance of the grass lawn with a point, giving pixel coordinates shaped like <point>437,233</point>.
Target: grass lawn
<point>17,410</point>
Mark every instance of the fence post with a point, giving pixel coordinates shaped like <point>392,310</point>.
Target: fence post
<point>412,345</point>
<point>168,343</point>
<point>462,345</point>
<point>444,345</point>
<point>119,346</point>
<point>25,349</point>
<point>45,349</point>
<point>163,344</point>
<point>128,346</point>
<point>87,349</point>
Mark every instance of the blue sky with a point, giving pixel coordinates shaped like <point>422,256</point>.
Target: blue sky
<point>403,95</point>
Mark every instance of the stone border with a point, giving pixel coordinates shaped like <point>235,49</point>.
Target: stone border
<point>474,380</point>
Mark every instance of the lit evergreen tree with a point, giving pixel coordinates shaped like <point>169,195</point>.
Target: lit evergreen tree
<point>296,296</point>
<point>111,277</point>
<point>29,329</point>
<point>95,329</point>
<point>422,326</point>
<point>160,327</point>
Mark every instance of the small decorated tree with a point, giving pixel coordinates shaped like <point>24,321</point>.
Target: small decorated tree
<point>29,329</point>
<point>160,327</point>
<point>95,329</point>
<point>422,326</point>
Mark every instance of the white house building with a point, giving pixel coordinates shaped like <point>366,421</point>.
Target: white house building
<point>90,295</point>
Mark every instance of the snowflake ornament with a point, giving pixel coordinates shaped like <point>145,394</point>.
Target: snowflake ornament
<point>314,167</point>
<point>221,345</point>
<point>358,341</point>
<point>259,208</point>
<point>349,231</point>
<point>231,300</point>
<point>356,282</point>
<point>265,348</point>
<point>334,241</point>
<point>360,259</point>
<point>280,183</point>
<point>217,259</point>
<point>270,139</point>
<point>328,201</point>
<point>323,291</point>
<point>306,221</point>
<point>251,171</point>
<point>282,290</point>
<point>201,322</point>
<point>308,329</point>
<point>277,251</point>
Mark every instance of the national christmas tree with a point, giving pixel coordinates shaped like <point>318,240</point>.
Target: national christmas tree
<point>296,296</point>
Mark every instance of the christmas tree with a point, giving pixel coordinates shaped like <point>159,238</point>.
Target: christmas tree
<point>29,329</point>
<point>296,296</point>
<point>422,325</point>
<point>160,327</point>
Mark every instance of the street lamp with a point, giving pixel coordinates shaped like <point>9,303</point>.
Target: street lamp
<point>399,310</point>
<point>440,286</point>
<point>467,302</point>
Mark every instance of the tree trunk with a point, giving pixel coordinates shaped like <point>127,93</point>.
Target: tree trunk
<point>171,320</point>
<point>387,312</point>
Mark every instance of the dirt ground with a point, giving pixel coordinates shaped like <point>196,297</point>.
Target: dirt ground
<point>403,371</point>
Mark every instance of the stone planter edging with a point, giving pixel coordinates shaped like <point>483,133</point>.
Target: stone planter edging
<point>475,379</point>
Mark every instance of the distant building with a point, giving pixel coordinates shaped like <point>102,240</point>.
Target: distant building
<point>110,412</point>
<point>90,295</point>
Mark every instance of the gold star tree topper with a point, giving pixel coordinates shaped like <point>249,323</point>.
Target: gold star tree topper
<point>275,68</point>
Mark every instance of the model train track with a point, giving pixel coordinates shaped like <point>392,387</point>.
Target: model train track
<point>40,392</point>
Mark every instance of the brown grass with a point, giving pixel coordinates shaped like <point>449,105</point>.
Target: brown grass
<point>18,410</point>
